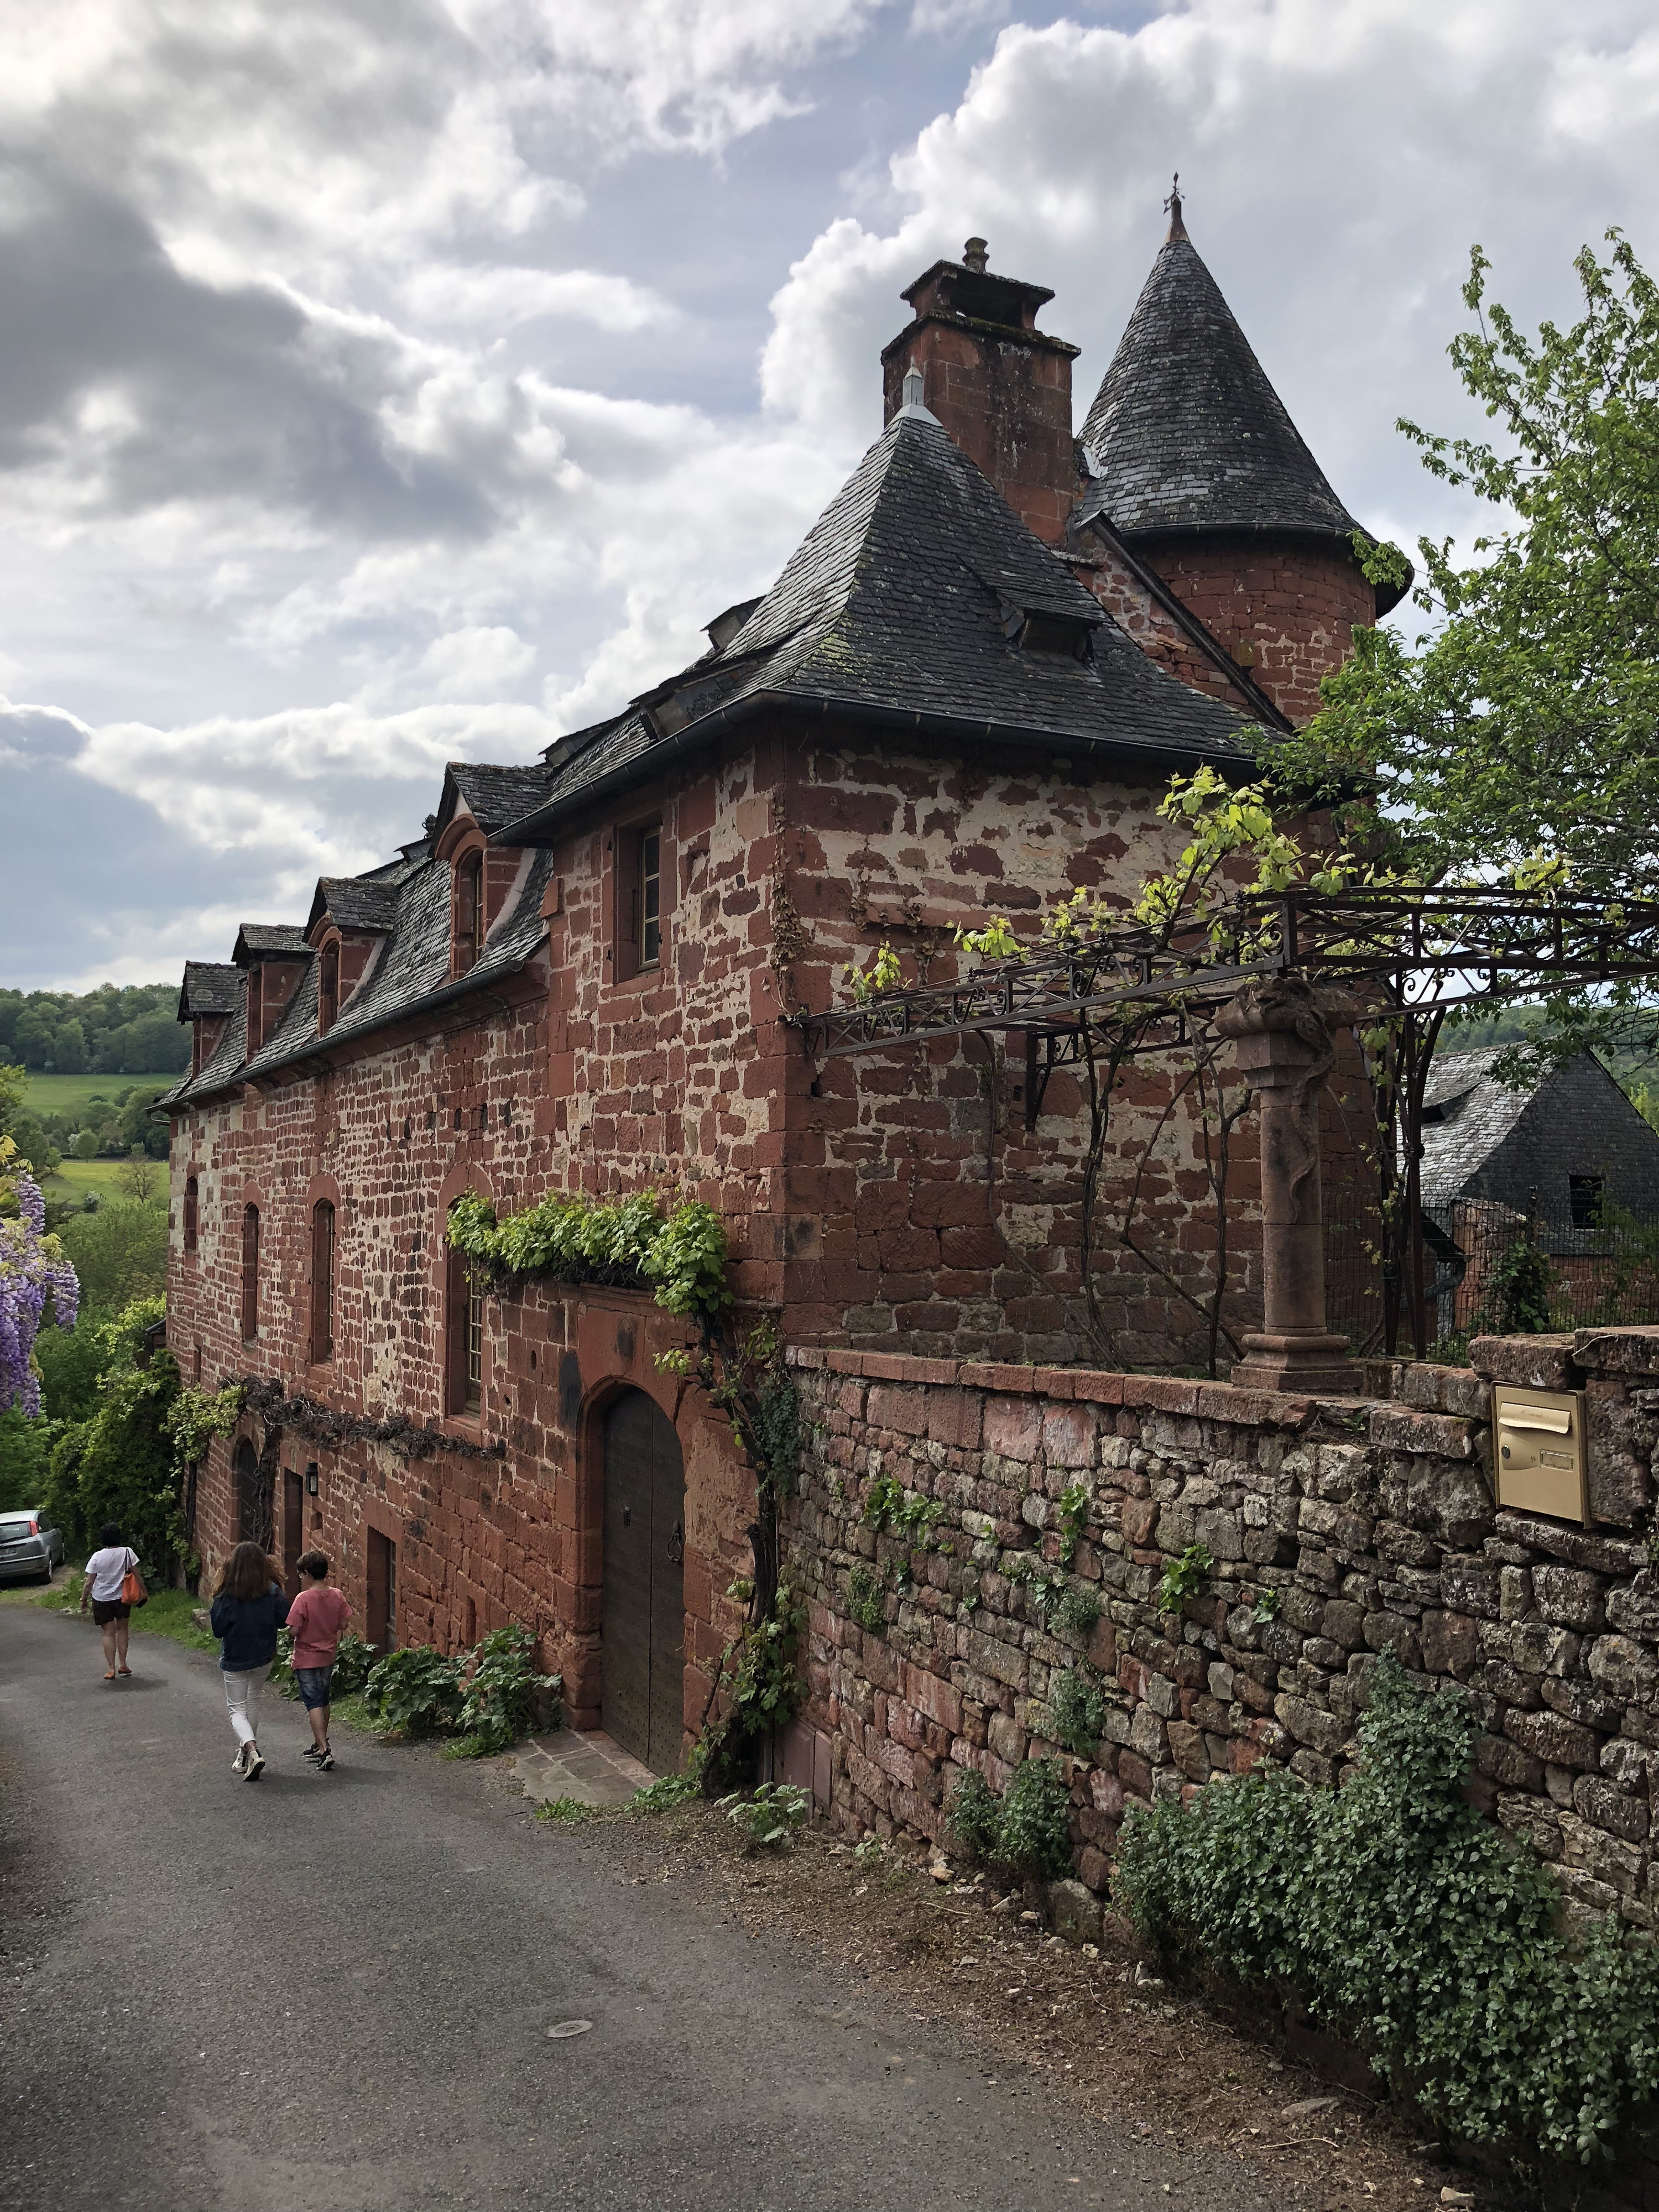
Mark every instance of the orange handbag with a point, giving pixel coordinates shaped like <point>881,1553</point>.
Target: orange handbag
<point>133,1587</point>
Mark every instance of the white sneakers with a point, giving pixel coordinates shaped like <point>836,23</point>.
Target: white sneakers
<point>256,1765</point>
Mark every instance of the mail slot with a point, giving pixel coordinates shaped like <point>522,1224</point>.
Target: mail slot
<point>1538,1440</point>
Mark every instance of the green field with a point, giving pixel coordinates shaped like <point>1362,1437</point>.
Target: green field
<point>72,1094</point>
<point>76,1177</point>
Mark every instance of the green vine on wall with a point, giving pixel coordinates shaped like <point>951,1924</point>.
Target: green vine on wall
<point>632,1244</point>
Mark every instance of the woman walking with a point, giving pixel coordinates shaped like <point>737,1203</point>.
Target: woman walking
<point>249,1606</point>
<point>107,1569</point>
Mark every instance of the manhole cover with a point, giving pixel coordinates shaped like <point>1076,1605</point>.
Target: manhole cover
<point>563,2028</point>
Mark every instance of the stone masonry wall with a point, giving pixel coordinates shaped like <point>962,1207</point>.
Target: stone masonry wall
<point>1339,1530</point>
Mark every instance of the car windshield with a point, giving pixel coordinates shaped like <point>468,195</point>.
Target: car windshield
<point>14,1525</point>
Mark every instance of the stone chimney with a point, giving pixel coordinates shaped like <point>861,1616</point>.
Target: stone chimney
<point>1001,387</point>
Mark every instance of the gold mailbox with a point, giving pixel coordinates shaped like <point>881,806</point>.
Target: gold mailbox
<point>1538,1440</point>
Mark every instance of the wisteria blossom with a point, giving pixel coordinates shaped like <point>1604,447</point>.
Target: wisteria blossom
<point>32,1269</point>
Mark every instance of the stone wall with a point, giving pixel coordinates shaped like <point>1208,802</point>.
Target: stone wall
<point>1339,1529</point>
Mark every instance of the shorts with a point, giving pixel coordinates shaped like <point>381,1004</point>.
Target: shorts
<point>105,1609</point>
<point>315,1686</point>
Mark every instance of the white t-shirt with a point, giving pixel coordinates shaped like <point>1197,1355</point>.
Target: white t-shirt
<point>108,1570</point>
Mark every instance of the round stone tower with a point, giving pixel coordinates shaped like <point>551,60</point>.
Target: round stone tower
<point>1203,474</point>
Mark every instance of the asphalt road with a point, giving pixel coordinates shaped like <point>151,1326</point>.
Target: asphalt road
<point>333,1992</point>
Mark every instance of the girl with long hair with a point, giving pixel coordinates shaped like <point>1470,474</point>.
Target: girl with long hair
<point>249,1606</point>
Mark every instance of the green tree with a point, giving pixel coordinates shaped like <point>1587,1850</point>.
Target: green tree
<point>68,1048</point>
<point>119,1465</point>
<point>119,1253</point>
<point>1518,731</point>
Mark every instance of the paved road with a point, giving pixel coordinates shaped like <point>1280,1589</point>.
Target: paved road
<point>332,1993</point>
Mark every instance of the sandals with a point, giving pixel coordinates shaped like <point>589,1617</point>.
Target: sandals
<point>124,1670</point>
<point>109,1675</point>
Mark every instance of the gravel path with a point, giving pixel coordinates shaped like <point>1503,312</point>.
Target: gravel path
<point>328,1992</point>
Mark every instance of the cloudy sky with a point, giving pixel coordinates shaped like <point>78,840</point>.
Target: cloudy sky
<point>389,381</point>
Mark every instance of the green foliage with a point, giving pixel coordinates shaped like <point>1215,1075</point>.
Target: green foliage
<point>417,1692</point>
<point>1029,1832</point>
<point>26,1448</point>
<point>1027,1571</point>
<point>1515,1295</point>
<point>882,974</point>
<point>1517,731</point>
<point>129,1030</point>
<point>354,1661</point>
<point>196,1416</point>
<point>119,1253</point>
<point>867,1599</point>
<point>1403,1918</point>
<point>503,1692</point>
<point>1077,1709</point>
<point>778,1428</point>
<point>881,1502</point>
<point>1184,1578</point>
<point>568,1812</point>
<point>762,1662</point>
<point>769,1815</point>
<point>1266,1609</point>
<point>1073,1519</point>
<point>576,1240</point>
<point>663,1794</point>
<point>1076,1613</point>
<point>118,1465</point>
<point>996,941</point>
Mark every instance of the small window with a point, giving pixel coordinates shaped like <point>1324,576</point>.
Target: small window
<point>469,912</point>
<point>322,1282</point>
<point>191,1213</point>
<point>1585,1195</point>
<point>250,1273</point>
<point>651,899</point>
<point>640,902</point>
<point>328,989</point>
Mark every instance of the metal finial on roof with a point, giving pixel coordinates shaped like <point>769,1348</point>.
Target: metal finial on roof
<point>1172,209</point>
<point>913,390</point>
<point>975,255</point>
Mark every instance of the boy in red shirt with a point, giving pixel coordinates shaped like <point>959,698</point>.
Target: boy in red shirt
<point>316,1617</point>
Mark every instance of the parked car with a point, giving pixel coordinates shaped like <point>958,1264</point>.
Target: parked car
<point>30,1548</point>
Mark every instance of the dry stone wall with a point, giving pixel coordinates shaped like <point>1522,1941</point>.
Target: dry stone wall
<point>940,1638</point>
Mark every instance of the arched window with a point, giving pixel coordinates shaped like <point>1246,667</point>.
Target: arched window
<point>469,910</point>
<point>191,1213</point>
<point>463,1338</point>
<point>328,988</point>
<point>322,1281</point>
<point>250,1273</point>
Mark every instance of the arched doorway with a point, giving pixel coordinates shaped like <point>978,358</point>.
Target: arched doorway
<point>642,1626</point>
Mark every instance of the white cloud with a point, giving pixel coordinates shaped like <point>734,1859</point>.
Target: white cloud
<point>501,298</point>
<point>477,663</point>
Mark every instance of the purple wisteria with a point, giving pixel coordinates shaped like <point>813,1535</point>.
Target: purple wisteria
<point>32,1269</point>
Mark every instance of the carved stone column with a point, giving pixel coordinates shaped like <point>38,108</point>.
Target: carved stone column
<point>1280,1025</point>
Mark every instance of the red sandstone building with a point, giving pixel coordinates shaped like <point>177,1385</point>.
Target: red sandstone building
<point>964,694</point>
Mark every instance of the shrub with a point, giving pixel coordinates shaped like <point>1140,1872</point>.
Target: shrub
<point>866,1600</point>
<point>1029,1832</point>
<point>1402,1918</point>
<point>1076,1613</point>
<point>416,1691</point>
<point>502,1691</point>
<point>1076,1707</point>
<point>119,1253</point>
<point>769,1815</point>
<point>354,1662</point>
<point>663,1794</point>
<point>1184,1578</point>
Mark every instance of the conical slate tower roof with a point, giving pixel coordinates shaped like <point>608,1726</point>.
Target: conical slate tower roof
<point>917,599</point>
<point>1186,432</point>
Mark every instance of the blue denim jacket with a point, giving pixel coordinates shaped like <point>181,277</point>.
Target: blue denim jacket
<point>248,1626</point>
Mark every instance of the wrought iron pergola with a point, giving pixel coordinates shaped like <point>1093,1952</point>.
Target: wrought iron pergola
<point>1407,957</point>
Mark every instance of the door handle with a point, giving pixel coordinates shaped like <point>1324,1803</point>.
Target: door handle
<point>677,1544</point>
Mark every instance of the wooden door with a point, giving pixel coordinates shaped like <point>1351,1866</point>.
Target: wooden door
<point>294,1506</point>
<point>382,1592</point>
<point>642,1626</point>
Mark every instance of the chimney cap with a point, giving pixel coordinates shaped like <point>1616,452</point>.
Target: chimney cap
<point>975,255</point>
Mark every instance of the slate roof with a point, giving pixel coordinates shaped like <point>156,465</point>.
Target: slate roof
<point>1186,432</point>
<point>210,987</point>
<point>1479,1113</point>
<point>493,796</point>
<point>408,972</point>
<point>903,604</point>
<point>367,905</point>
<point>256,939</point>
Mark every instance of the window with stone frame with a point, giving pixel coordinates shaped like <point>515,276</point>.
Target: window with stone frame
<point>250,1273</point>
<point>642,901</point>
<point>469,910</point>
<point>328,987</point>
<point>193,1213</point>
<point>463,1339</point>
<point>322,1282</point>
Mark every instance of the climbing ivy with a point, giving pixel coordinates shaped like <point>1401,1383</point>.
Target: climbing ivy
<point>1402,1916</point>
<point>577,1240</point>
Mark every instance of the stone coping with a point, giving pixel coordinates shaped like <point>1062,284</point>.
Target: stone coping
<point>1164,1393</point>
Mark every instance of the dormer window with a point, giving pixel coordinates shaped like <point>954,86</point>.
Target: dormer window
<point>328,988</point>
<point>1040,629</point>
<point>469,911</point>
